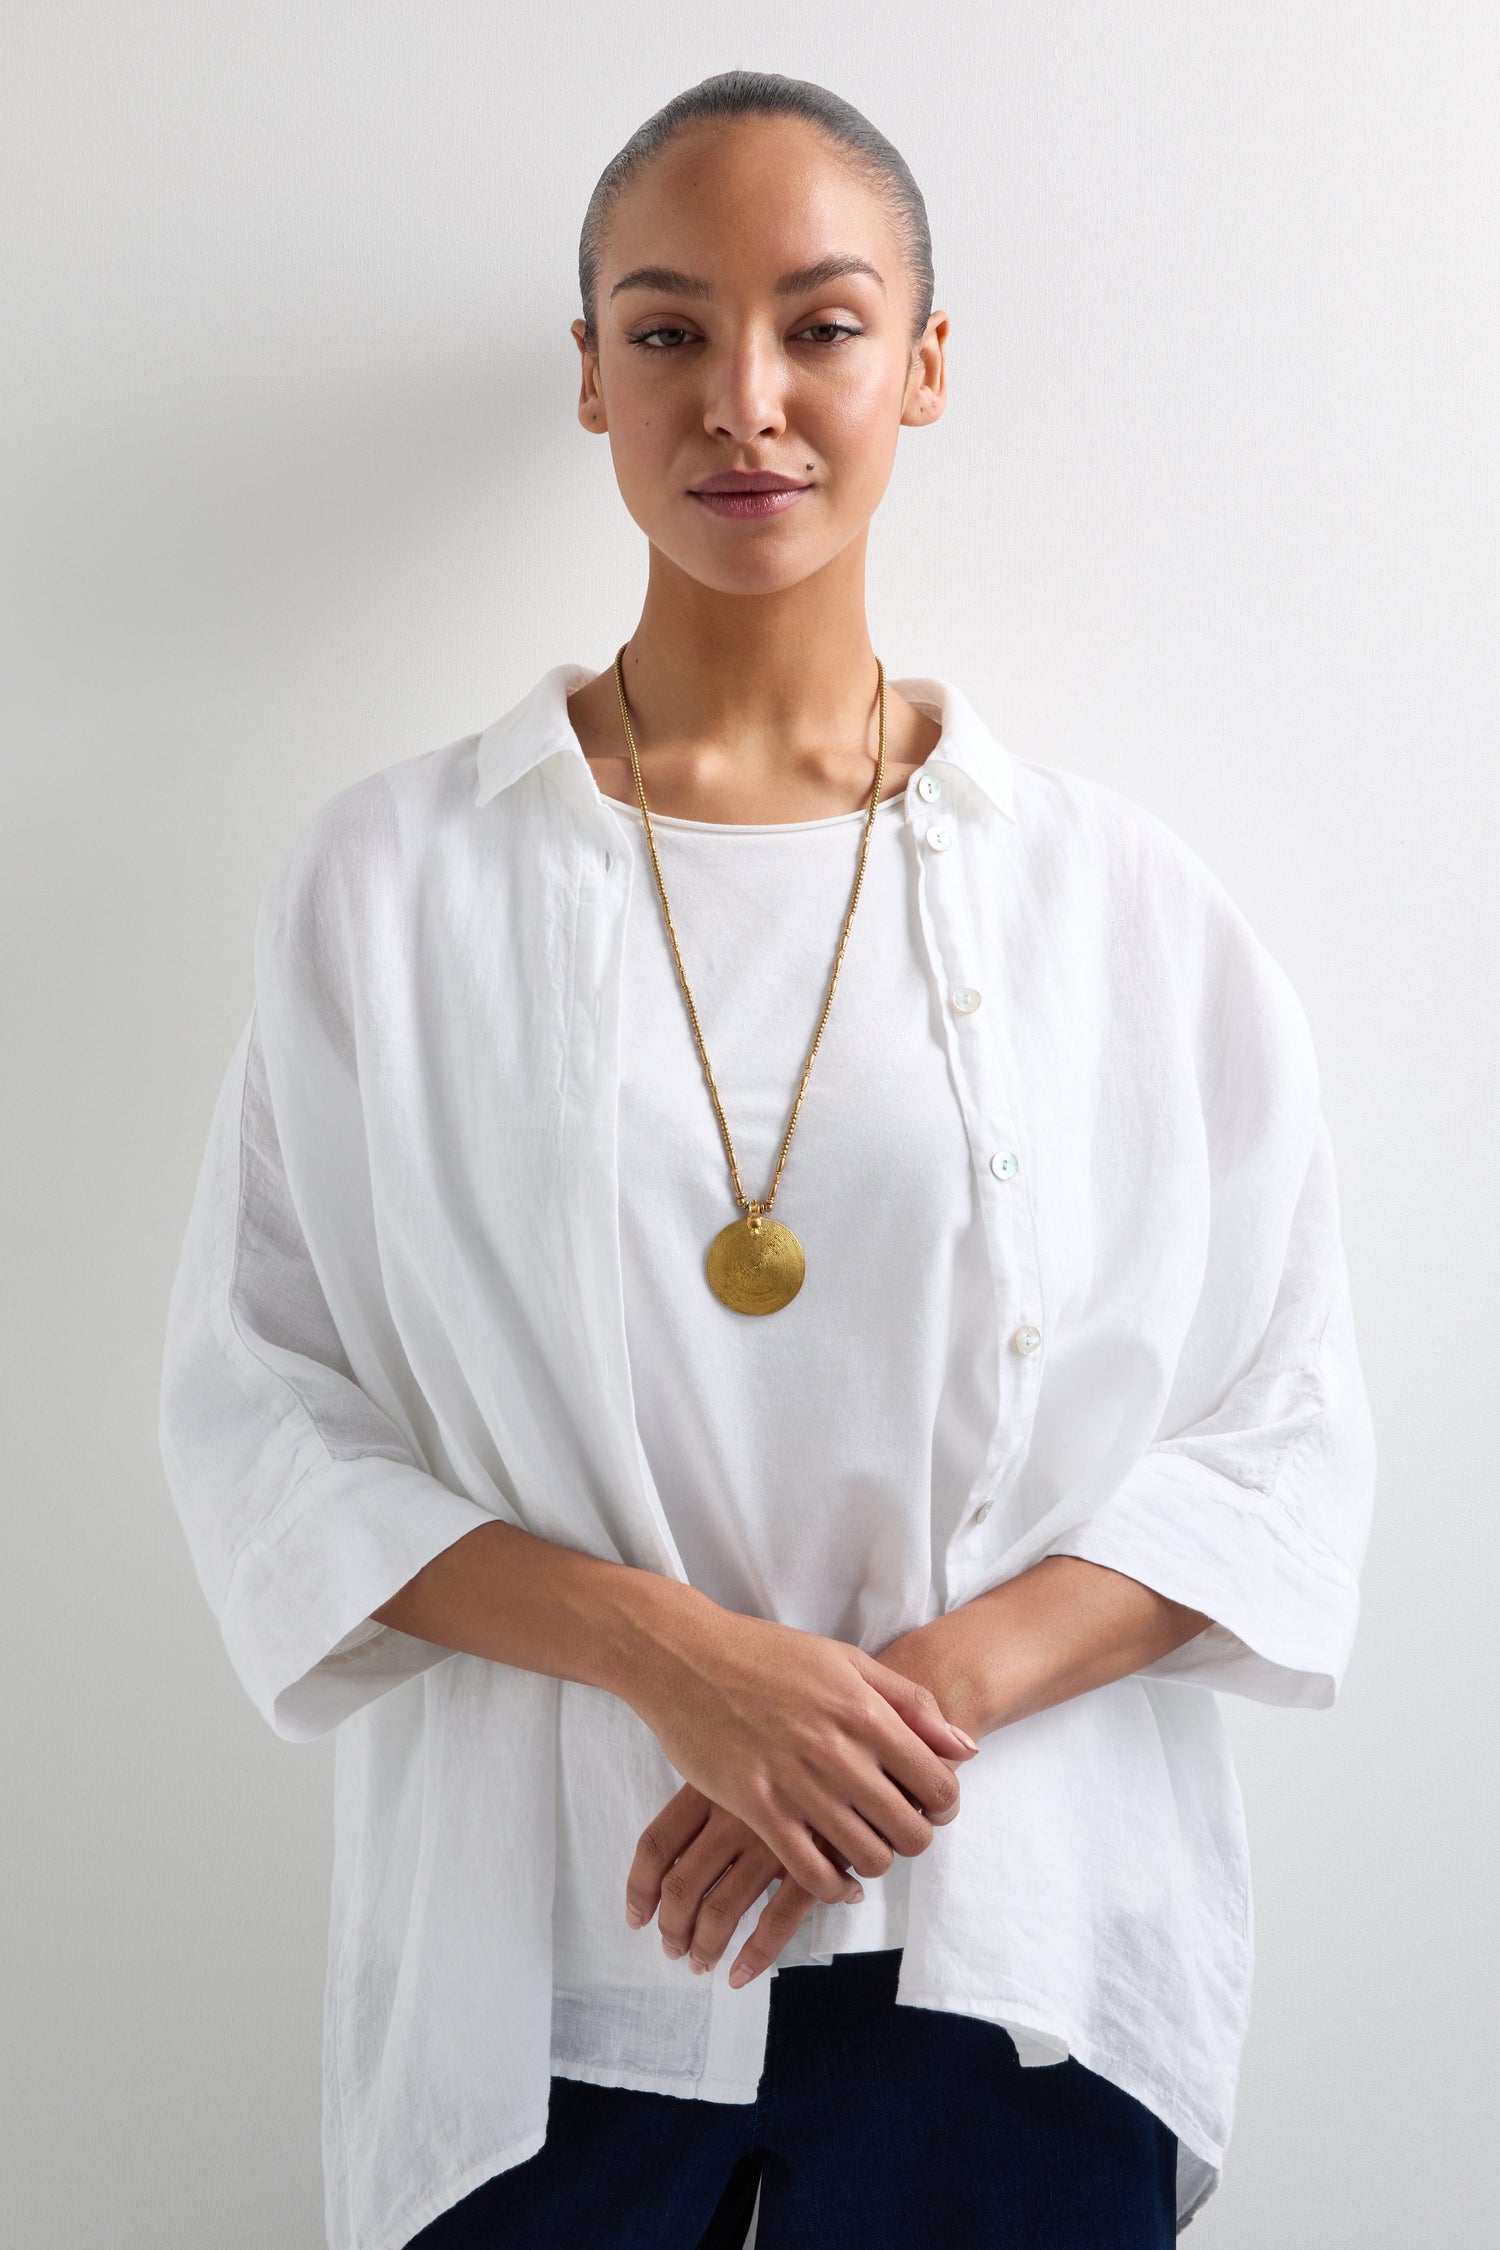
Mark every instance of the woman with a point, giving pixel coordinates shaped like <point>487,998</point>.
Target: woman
<point>764,1315</point>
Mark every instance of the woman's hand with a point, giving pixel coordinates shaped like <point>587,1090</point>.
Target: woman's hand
<point>700,1869</point>
<point>832,1759</point>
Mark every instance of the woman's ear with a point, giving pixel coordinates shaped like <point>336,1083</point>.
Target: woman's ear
<point>927,383</point>
<point>590,398</point>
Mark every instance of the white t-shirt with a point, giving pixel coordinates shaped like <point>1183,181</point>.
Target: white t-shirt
<point>814,1462</point>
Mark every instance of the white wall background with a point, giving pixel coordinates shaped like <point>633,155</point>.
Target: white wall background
<point>296,489</point>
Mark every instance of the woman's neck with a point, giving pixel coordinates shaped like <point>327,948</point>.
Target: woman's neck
<point>749,710</point>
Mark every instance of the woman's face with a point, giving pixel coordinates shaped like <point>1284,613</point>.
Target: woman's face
<point>722,347</point>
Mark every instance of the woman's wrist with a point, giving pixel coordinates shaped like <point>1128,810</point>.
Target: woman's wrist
<point>955,1657</point>
<point>1055,1631</point>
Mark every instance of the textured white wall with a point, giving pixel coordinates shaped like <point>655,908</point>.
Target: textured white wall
<point>297,489</point>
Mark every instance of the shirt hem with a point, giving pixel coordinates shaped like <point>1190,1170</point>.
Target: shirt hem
<point>707,2088</point>
<point>397,2233</point>
<point>1036,2018</point>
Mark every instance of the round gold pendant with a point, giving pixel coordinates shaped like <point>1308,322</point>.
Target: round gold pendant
<point>755,1265</point>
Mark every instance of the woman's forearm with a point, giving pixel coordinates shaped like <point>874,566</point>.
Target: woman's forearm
<point>1053,1632</point>
<point>504,1593</point>
<point>795,1734</point>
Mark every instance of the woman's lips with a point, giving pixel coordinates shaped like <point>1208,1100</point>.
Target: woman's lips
<point>741,506</point>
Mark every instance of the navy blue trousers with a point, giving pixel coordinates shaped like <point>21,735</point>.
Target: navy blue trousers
<point>875,2127</point>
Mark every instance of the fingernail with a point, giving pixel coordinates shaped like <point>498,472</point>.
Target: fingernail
<point>698,1967</point>
<point>855,1893</point>
<point>740,1975</point>
<point>672,1952</point>
<point>966,1739</point>
<point>634,1917</point>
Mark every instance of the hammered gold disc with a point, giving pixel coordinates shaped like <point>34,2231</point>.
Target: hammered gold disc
<point>755,1272</point>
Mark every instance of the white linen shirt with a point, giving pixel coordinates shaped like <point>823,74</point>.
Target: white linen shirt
<point>398,1314</point>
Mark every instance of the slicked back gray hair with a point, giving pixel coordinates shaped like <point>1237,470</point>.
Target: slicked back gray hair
<point>761,93</point>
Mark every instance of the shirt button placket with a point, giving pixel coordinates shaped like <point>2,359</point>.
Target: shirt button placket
<point>955,936</point>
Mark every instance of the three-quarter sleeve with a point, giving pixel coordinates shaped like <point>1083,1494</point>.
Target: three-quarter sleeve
<point>1253,1503</point>
<point>304,1503</point>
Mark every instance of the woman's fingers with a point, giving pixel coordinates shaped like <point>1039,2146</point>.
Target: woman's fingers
<point>795,1846</point>
<point>735,1893</point>
<point>732,1897</point>
<point>891,1814</point>
<point>693,1849</point>
<point>780,1918</point>
<point>719,1868</point>
<point>867,1816</point>
<point>926,1778</point>
<point>917,1706</point>
<point>681,1819</point>
<point>859,1845</point>
<point>708,1862</point>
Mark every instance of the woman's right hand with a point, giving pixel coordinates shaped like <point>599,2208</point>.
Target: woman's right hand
<point>817,1746</point>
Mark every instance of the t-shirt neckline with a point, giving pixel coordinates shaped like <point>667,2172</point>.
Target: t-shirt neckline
<point>756,827</point>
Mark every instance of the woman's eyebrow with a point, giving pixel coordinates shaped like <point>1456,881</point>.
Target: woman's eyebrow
<point>795,284</point>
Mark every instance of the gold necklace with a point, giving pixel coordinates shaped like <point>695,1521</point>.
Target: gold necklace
<point>755,1264</point>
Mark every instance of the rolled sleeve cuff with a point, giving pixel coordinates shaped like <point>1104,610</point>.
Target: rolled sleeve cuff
<point>1284,1609</point>
<point>296,1619</point>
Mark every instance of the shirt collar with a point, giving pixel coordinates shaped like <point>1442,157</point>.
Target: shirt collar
<point>538,727</point>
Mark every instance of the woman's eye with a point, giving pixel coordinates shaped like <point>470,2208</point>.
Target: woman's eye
<point>643,337</point>
<point>839,328</point>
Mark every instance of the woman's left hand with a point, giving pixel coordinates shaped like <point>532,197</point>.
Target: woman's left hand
<point>700,1869</point>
